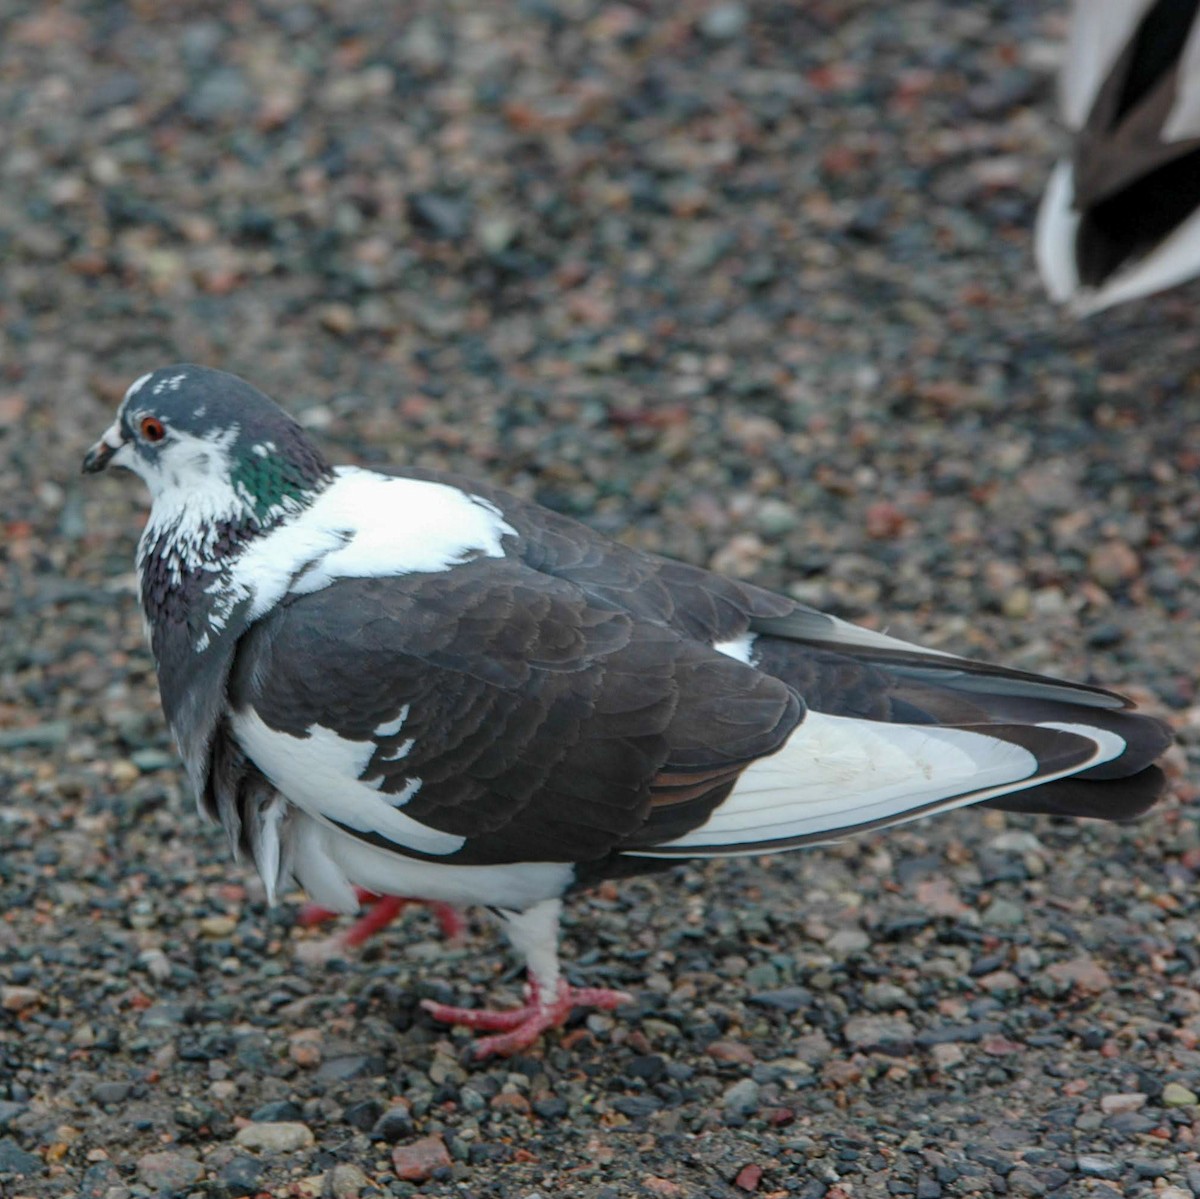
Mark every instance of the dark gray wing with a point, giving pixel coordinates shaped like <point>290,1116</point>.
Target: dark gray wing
<point>836,667</point>
<point>510,708</point>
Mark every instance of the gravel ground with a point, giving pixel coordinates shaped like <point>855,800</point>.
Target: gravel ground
<point>747,282</point>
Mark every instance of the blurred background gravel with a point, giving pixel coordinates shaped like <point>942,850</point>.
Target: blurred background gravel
<point>749,283</point>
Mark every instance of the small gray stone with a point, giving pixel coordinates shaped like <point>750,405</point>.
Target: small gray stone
<point>395,1123</point>
<point>885,997</point>
<point>9,1111</point>
<point>163,1015</point>
<point>724,22</point>
<point>168,1170</point>
<point>497,232</point>
<point>283,1137</point>
<point>36,736</point>
<point>846,941</point>
<point>346,1181</point>
<point>240,1176</point>
<point>223,94</point>
<point>1175,1094</point>
<point>743,1096</point>
<point>200,41</point>
<point>1097,1165</point>
<point>119,89</point>
<point>763,975</point>
<point>101,1181</point>
<point>784,999</point>
<point>147,760</point>
<point>1003,913</point>
<point>338,1069</point>
<point>892,1034</point>
<point>14,1159</point>
<point>111,1092</point>
<point>444,216</point>
<point>281,1111</point>
<point>1025,1182</point>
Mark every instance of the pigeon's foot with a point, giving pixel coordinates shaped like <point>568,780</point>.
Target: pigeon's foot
<point>518,1028</point>
<point>381,911</point>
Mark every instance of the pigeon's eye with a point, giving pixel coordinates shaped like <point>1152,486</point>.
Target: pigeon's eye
<point>152,429</point>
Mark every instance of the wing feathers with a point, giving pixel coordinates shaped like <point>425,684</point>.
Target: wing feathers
<point>836,776</point>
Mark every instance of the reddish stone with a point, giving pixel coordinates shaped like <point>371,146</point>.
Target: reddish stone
<point>416,1161</point>
<point>665,1187</point>
<point>748,1178</point>
<point>731,1051</point>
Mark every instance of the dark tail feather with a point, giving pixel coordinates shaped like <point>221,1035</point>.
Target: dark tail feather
<point>1146,737</point>
<point>1120,799</point>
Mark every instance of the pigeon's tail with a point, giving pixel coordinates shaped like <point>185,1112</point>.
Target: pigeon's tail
<point>1120,219</point>
<point>893,733</point>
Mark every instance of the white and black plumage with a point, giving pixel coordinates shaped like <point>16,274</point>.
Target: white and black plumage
<point>1120,219</point>
<point>422,686</point>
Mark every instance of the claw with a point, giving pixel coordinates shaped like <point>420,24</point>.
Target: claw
<point>518,1028</point>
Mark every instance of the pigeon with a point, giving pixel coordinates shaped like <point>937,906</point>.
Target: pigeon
<point>408,683</point>
<point>1120,219</point>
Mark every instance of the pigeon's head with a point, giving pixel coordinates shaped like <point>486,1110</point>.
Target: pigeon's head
<point>195,434</point>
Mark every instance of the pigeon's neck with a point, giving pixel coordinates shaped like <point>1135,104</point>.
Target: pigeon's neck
<point>199,527</point>
<point>203,530</point>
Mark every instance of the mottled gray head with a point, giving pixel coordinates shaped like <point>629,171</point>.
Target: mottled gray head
<point>192,432</point>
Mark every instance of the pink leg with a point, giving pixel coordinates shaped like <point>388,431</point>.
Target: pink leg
<point>383,909</point>
<point>519,1028</point>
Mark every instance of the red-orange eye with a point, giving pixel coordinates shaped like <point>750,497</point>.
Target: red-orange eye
<point>152,428</point>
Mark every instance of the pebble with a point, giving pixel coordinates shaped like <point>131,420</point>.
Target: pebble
<point>1097,1165</point>
<point>1129,1101</point>
<point>889,1033</point>
<point>947,1055</point>
<point>18,999</point>
<point>1113,563</point>
<point>743,1096</point>
<point>111,1092</point>
<point>731,1051</point>
<point>418,1160</point>
<point>15,1160</point>
<point>748,1177</point>
<point>282,1137</point>
<point>784,999</point>
<point>223,94</point>
<point>1175,1094</point>
<point>1083,973</point>
<point>1025,1183</point>
<point>882,997</point>
<point>847,941</point>
<point>347,1181</point>
<point>395,1123</point>
<point>168,1170</point>
<point>47,735</point>
<point>241,1176</point>
<point>723,22</point>
<point>363,1114</point>
<point>1003,913</point>
<point>446,216</point>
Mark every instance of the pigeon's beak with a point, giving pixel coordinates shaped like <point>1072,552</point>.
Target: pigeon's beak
<point>98,457</point>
